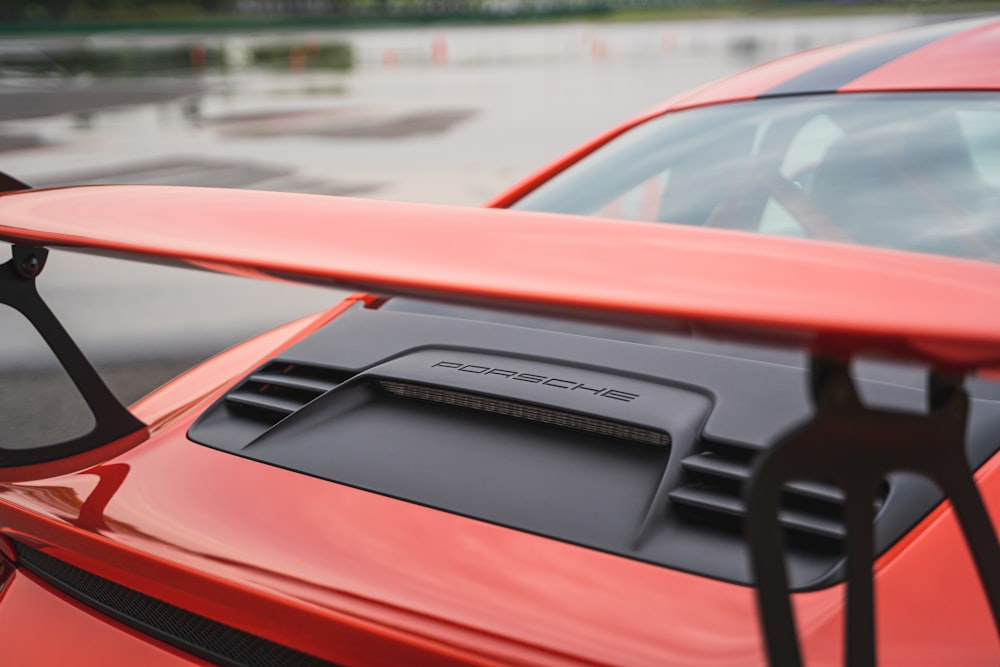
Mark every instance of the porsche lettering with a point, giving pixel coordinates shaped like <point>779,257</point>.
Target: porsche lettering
<point>558,383</point>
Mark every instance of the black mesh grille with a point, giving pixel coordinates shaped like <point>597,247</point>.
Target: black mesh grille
<point>527,412</point>
<point>196,634</point>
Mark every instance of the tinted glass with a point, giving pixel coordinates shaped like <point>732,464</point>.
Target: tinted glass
<point>910,171</point>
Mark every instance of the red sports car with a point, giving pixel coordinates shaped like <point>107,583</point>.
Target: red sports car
<point>763,433</point>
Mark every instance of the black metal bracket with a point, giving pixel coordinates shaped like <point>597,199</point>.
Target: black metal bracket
<point>9,183</point>
<point>854,447</point>
<point>112,419</point>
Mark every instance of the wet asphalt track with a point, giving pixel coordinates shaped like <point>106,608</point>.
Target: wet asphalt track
<point>40,407</point>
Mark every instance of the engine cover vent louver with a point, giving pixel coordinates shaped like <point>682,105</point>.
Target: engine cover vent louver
<point>811,512</point>
<point>280,389</point>
<point>270,395</point>
<point>219,643</point>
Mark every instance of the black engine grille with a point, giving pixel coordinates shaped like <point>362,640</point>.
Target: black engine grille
<point>811,512</point>
<point>195,634</point>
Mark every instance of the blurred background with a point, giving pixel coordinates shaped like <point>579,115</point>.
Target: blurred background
<point>446,101</point>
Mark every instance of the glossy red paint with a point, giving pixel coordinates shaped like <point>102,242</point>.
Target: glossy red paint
<point>85,638</point>
<point>353,577</point>
<point>930,605</point>
<point>966,61</point>
<point>363,579</point>
<point>161,407</point>
<point>519,190</point>
<point>579,267</point>
<point>756,81</point>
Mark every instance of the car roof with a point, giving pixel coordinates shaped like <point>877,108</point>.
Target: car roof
<point>955,55</point>
<point>951,56</point>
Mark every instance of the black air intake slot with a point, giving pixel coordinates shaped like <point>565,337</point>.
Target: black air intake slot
<point>219,643</point>
<point>271,394</point>
<point>527,411</point>
<point>812,513</point>
<point>280,389</point>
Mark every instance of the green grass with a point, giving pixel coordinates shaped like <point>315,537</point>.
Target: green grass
<point>242,22</point>
<point>600,10</point>
<point>805,9</point>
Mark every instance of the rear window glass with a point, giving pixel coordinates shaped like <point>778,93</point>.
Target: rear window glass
<point>910,171</point>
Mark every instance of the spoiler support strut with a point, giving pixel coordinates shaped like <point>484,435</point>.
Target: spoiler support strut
<point>112,419</point>
<point>854,447</point>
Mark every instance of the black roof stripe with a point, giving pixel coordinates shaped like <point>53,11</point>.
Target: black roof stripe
<point>831,76</point>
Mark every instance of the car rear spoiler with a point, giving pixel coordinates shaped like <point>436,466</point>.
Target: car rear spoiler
<point>837,301</point>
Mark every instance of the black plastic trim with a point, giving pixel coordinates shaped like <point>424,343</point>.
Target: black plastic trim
<point>112,420</point>
<point>10,184</point>
<point>705,395</point>
<point>292,382</point>
<point>276,404</point>
<point>714,465</point>
<point>196,634</point>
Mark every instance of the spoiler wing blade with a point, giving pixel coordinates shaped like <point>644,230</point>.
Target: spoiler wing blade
<point>838,300</point>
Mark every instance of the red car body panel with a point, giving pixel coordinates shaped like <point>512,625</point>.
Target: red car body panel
<point>381,581</point>
<point>85,636</point>
<point>758,80</point>
<point>522,188</point>
<point>579,267</point>
<point>952,63</point>
<point>362,579</point>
